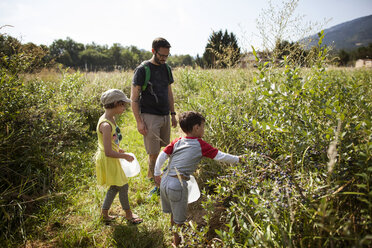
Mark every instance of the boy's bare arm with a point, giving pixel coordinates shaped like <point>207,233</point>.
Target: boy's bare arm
<point>159,163</point>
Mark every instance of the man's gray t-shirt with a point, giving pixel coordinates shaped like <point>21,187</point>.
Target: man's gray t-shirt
<point>154,100</point>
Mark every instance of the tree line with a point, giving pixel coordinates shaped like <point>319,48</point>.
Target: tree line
<point>221,51</point>
<point>347,58</point>
<point>94,57</point>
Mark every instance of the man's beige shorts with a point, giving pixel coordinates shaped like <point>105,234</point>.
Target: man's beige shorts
<point>158,132</point>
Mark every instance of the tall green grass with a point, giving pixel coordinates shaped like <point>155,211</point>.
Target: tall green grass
<point>307,133</point>
<point>305,182</point>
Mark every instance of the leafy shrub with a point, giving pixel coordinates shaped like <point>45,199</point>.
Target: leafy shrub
<point>44,122</point>
<point>306,133</point>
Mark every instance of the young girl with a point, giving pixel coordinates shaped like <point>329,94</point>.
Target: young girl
<point>108,168</point>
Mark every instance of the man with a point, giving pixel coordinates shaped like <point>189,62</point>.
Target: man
<point>152,104</point>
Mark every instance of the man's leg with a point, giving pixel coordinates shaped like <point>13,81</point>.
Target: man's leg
<point>153,142</point>
<point>152,161</point>
<point>150,173</point>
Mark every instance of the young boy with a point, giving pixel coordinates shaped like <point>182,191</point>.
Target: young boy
<point>185,153</point>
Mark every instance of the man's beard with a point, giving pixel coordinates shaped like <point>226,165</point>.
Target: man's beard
<point>157,60</point>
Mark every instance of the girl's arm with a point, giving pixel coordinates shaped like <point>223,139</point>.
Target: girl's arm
<point>105,129</point>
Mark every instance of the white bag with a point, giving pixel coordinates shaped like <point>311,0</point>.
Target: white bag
<point>193,188</point>
<point>130,169</point>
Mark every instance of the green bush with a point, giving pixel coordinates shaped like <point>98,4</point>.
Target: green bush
<point>307,135</point>
<point>44,124</point>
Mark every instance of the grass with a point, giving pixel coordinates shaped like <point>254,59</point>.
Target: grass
<point>73,220</point>
<point>246,204</point>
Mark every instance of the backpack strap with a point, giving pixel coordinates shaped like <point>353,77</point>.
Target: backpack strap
<point>148,73</point>
<point>169,72</point>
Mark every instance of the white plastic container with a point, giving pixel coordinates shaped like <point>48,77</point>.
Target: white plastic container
<point>193,188</point>
<point>130,169</point>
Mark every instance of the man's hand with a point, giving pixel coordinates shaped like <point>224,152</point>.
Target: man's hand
<point>142,129</point>
<point>174,121</point>
<point>157,180</point>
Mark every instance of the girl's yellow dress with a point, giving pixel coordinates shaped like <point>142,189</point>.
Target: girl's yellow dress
<point>108,170</point>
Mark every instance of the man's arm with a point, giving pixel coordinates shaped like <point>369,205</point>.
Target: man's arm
<point>171,105</point>
<point>134,96</point>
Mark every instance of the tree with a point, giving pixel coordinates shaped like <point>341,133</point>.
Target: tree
<point>180,60</point>
<point>67,52</point>
<point>93,60</point>
<point>344,57</point>
<point>222,50</point>
<point>16,57</point>
<point>293,51</point>
<point>115,54</point>
<point>199,61</point>
<point>362,52</point>
<point>279,22</point>
<point>130,59</point>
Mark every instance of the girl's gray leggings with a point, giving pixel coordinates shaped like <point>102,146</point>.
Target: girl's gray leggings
<point>111,193</point>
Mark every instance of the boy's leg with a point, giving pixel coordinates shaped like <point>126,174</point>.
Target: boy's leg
<point>176,237</point>
<point>177,196</point>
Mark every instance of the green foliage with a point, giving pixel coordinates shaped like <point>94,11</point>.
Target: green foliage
<point>93,57</point>
<point>66,52</point>
<point>294,53</point>
<point>180,61</point>
<point>305,181</point>
<point>44,122</point>
<point>346,58</point>
<point>17,58</point>
<point>306,133</point>
<point>222,50</point>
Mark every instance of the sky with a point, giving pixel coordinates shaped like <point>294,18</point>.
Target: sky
<point>186,24</point>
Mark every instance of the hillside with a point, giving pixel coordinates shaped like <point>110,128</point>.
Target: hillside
<point>348,35</point>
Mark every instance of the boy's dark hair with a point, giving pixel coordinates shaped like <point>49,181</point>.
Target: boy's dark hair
<point>160,42</point>
<point>189,119</point>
